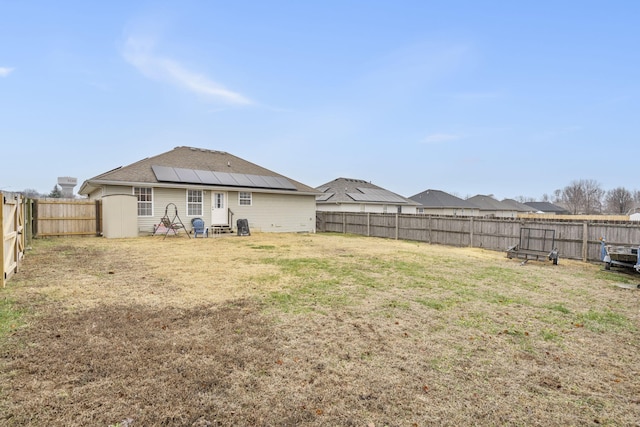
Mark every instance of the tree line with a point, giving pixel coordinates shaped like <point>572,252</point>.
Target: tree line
<point>586,196</point>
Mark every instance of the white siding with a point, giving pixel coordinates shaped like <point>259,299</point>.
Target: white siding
<point>268,212</point>
<point>276,212</point>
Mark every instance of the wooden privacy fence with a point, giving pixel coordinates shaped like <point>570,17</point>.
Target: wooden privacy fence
<point>66,217</point>
<point>12,235</point>
<point>574,239</point>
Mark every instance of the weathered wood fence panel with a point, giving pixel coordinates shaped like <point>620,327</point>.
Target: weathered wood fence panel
<point>12,235</point>
<point>67,217</point>
<point>574,239</point>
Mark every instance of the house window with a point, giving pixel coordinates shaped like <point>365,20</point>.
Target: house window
<point>145,200</point>
<point>384,208</point>
<point>244,198</point>
<point>399,210</point>
<point>421,210</point>
<point>194,202</point>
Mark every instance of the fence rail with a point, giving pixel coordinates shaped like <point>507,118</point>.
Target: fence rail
<point>12,235</point>
<point>575,239</point>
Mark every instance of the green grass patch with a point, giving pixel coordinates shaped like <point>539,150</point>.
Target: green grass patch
<point>603,321</point>
<point>557,307</point>
<point>267,247</point>
<point>10,317</point>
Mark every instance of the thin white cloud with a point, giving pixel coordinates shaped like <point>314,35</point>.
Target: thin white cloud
<point>5,71</point>
<point>139,53</point>
<point>438,138</point>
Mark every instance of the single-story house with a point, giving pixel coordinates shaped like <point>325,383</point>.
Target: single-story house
<point>548,208</point>
<point>492,208</point>
<point>213,185</point>
<point>517,206</point>
<point>357,195</point>
<point>436,202</point>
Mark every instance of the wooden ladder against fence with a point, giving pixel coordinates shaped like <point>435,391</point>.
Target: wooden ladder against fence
<point>12,235</point>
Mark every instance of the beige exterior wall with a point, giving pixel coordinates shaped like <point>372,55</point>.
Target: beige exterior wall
<point>276,212</point>
<point>451,211</point>
<point>268,212</point>
<point>364,208</point>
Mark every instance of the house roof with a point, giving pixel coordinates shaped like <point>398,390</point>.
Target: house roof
<point>188,166</point>
<point>517,206</point>
<point>348,190</point>
<point>440,199</point>
<point>488,203</point>
<point>546,207</point>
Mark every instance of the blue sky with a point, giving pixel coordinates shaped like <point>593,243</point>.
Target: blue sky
<point>511,98</point>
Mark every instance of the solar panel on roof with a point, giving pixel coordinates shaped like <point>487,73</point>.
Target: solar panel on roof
<point>257,181</point>
<point>187,175</point>
<point>243,180</point>
<point>324,197</point>
<point>226,178</point>
<point>376,195</point>
<point>165,173</point>
<point>207,177</point>
<point>196,176</point>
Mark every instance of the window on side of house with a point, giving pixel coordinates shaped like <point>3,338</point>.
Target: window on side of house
<point>194,202</point>
<point>145,200</point>
<point>244,198</point>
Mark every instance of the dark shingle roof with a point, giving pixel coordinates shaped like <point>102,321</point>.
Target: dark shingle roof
<point>440,199</point>
<point>488,203</point>
<point>141,172</point>
<point>547,207</point>
<point>517,206</point>
<point>349,190</point>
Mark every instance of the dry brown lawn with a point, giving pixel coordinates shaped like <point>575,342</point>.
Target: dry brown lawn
<point>314,330</point>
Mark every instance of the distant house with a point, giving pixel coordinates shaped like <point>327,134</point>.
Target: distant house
<point>492,208</point>
<point>436,202</point>
<point>213,185</point>
<point>548,208</point>
<point>517,206</point>
<point>356,195</point>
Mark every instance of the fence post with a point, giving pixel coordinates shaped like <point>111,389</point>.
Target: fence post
<point>368,224</point>
<point>585,241</point>
<point>397,225</point>
<point>98,217</point>
<point>3,279</point>
<point>471,231</point>
<point>344,222</point>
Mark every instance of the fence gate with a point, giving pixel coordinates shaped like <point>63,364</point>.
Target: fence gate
<point>12,235</point>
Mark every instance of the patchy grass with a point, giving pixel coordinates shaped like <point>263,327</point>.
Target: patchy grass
<point>314,330</point>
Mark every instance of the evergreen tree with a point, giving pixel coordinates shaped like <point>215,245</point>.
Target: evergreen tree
<point>56,193</point>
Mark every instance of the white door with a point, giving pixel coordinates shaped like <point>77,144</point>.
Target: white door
<point>219,215</point>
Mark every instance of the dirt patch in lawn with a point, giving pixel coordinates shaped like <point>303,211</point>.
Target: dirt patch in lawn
<point>314,330</point>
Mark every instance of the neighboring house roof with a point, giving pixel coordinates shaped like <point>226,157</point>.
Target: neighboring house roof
<point>517,206</point>
<point>488,203</point>
<point>440,199</point>
<point>547,207</point>
<point>348,190</point>
<point>185,166</point>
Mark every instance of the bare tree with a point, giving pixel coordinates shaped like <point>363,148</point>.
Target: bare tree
<point>593,196</point>
<point>619,200</point>
<point>583,196</point>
